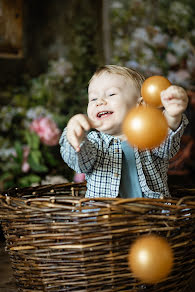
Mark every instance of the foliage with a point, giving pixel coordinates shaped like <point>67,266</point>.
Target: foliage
<point>43,96</point>
<point>54,96</point>
<point>155,37</point>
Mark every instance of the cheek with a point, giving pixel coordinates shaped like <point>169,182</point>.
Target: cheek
<point>124,111</point>
<point>89,111</point>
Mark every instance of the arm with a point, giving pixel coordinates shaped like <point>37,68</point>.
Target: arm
<point>80,158</point>
<point>175,101</point>
<point>171,145</point>
<point>82,161</point>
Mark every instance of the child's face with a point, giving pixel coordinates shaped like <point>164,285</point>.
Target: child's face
<point>110,98</point>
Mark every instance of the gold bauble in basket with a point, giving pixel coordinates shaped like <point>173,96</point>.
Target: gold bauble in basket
<point>150,259</point>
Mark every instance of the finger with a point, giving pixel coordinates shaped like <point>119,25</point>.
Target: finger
<point>74,140</point>
<point>174,101</point>
<point>79,131</point>
<point>174,92</point>
<point>77,149</point>
<point>84,123</point>
<point>167,99</point>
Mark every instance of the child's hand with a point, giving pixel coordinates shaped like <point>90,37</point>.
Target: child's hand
<point>76,128</point>
<point>175,101</point>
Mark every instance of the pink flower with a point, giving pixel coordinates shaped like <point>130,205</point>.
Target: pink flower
<point>25,164</point>
<point>47,130</point>
<point>79,177</point>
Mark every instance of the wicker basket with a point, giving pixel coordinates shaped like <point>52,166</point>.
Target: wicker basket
<point>60,241</point>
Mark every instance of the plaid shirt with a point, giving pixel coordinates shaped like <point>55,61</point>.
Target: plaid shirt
<point>100,158</point>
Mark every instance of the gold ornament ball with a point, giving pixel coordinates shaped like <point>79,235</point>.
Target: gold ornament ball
<point>150,259</point>
<point>145,127</point>
<point>151,89</point>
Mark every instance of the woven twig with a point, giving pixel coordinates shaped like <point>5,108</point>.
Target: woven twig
<point>60,241</point>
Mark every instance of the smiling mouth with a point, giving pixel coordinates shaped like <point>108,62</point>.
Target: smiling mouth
<point>104,114</point>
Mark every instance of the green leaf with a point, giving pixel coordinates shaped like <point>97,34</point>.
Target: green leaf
<point>18,98</point>
<point>19,152</point>
<point>32,139</point>
<point>35,159</point>
<point>6,176</point>
<point>35,141</point>
<point>28,180</point>
<point>50,158</point>
<point>39,168</point>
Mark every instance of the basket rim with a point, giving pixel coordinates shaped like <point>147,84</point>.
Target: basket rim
<point>7,197</point>
<point>51,192</point>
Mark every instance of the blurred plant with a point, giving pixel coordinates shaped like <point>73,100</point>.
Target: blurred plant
<point>156,38</point>
<point>35,113</point>
<point>31,125</point>
<point>181,164</point>
<point>47,131</point>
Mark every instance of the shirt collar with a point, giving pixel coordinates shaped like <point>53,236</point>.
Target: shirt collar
<point>108,138</point>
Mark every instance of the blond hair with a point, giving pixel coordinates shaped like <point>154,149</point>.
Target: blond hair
<point>135,76</point>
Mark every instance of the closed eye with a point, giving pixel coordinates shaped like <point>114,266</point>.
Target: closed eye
<point>93,99</point>
<point>112,94</point>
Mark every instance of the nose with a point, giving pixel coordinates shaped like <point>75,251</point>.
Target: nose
<point>101,101</point>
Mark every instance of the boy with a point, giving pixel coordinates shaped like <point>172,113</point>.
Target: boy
<point>95,145</point>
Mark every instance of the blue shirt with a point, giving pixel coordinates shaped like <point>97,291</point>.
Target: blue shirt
<point>100,158</point>
<point>129,185</point>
